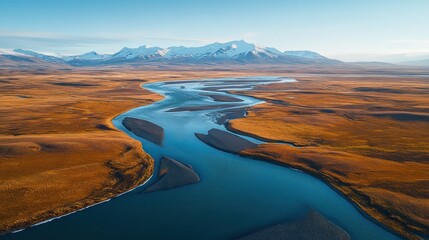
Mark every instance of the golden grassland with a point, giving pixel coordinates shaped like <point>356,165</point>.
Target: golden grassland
<point>366,136</point>
<point>58,149</point>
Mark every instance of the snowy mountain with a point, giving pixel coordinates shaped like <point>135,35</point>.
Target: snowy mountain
<point>305,54</point>
<point>143,52</point>
<point>212,52</point>
<point>18,58</point>
<point>215,53</point>
<point>229,50</point>
<point>234,52</point>
<point>44,57</point>
<point>10,52</point>
<point>87,56</point>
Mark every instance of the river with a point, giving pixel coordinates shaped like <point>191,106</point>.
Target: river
<point>235,196</point>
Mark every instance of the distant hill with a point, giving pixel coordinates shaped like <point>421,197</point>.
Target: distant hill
<point>305,54</point>
<point>15,59</point>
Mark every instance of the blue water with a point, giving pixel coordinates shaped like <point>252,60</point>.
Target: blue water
<point>235,196</point>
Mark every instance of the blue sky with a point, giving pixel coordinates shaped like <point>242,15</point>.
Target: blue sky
<point>346,29</point>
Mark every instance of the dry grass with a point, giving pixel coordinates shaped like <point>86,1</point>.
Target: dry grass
<point>46,175</point>
<point>58,149</point>
<point>353,139</point>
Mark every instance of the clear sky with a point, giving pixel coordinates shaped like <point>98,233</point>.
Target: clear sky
<point>345,29</point>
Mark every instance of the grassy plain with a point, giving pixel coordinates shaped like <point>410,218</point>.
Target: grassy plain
<point>59,151</point>
<point>365,135</point>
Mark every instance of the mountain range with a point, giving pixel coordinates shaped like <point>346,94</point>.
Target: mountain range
<point>234,52</point>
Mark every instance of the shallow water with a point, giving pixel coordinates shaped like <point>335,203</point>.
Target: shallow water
<point>235,196</point>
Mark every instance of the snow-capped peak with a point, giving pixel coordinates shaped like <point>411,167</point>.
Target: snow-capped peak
<point>305,54</point>
<point>231,49</point>
<point>142,51</point>
<point>92,53</point>
<point>87,56</point>
<point>45,57</point>
<point>12,52</point>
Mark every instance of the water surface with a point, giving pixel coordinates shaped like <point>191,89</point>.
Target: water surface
<point>235,196</point>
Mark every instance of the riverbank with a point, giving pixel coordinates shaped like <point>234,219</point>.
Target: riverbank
<point>71,130</point>
<point>223,177</point>
<point>59,151</point>
<point>369,159</point>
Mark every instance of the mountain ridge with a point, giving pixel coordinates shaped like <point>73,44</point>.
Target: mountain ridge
<point>233,52</point>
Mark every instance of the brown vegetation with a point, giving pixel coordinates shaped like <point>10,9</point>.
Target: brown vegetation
<point>348,133</point>
<point>59,151</point>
